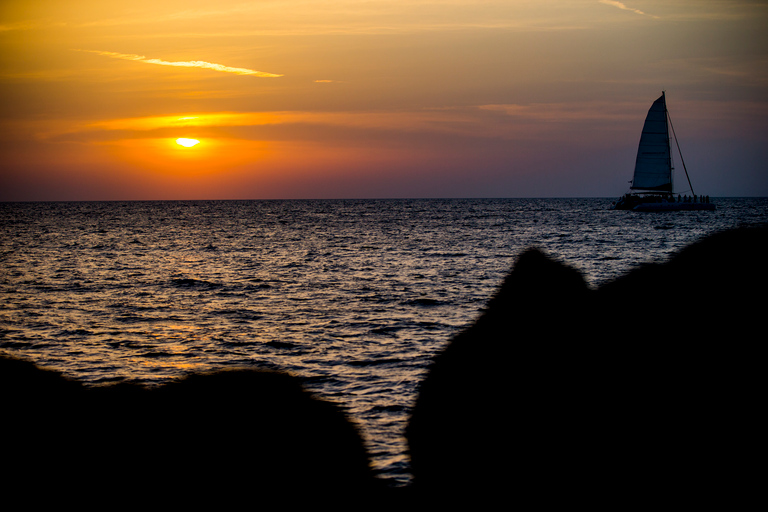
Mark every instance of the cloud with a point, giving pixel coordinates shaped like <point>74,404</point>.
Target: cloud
<point>187,64</point>
<point>624,7</point>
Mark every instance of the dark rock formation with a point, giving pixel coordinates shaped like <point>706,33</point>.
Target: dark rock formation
<point>222,440</point>
<point>644,391</point>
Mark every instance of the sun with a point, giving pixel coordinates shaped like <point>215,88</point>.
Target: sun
<point>187,143</point>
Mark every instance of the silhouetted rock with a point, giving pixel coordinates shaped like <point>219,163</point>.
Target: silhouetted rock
<point>222,439</point>
<point>646,391</point>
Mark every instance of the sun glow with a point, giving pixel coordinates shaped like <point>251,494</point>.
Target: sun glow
<point>187,143</point>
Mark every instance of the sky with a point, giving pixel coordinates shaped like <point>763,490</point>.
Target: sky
<point>374,98</point>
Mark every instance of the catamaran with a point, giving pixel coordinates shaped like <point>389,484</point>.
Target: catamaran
<point>651,189</point>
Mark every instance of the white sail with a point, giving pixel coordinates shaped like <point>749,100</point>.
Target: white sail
<point>653,167</point>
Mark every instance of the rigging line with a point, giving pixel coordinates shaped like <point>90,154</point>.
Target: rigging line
<point>682,161</point>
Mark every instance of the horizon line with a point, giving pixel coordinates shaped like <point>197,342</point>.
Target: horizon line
<point>332,199</point>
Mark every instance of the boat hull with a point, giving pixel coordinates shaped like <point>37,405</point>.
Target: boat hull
<point>674,207</point>
<point>657,203</point>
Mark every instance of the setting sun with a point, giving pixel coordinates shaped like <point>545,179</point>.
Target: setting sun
<point>187,143</point>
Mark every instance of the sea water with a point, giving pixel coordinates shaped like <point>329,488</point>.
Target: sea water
<point>353,296</point>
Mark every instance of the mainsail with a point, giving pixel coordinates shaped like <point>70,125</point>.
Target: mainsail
<point>653,167</point>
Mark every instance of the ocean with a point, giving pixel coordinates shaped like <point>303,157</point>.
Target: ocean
<point>353,296</point>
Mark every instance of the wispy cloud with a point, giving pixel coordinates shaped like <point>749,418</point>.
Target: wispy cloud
<point>186,64</point>
<point>620,5</point>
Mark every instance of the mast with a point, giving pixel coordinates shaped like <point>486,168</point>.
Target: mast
<point>671,165</point>
<point>677,142</point>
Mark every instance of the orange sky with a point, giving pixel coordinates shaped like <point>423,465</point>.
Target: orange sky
<point>321,98</point>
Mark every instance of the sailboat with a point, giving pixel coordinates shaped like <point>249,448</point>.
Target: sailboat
<point>651,189</point>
